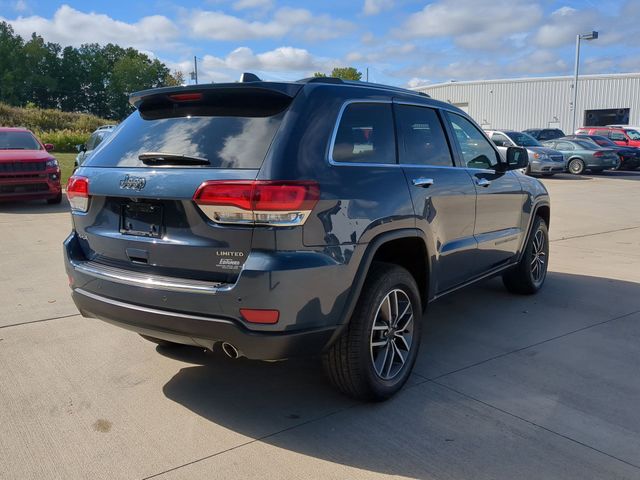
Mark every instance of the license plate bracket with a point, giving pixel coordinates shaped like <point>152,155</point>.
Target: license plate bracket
<point>141,219</point>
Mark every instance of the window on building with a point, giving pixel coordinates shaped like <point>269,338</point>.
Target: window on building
<point>608,116</point>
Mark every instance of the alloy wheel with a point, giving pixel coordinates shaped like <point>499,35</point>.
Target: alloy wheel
<point>538,257</point>
<point>392,334</point>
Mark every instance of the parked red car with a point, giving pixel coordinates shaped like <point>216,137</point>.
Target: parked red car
<point>27,169</point>
<point>626,137</point>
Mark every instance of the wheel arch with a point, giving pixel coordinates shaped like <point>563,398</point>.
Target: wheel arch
<point>383,248</point>
<point>541,209</point>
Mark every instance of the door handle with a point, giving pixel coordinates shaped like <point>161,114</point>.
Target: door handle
<point>482,182</point>
<point>423,182</point>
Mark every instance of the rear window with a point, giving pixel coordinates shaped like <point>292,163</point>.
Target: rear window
<point>18,141</point>
<point>226,141</point>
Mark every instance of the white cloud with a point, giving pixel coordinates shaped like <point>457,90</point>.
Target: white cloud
<point>69,26</point>
<point>217,25</point>
<point>539,62</point>
<point>384,54</point>
<point>282,59</point>
<point>418,82</point>
<point>250,4</point>
<point>374,7</point>
<point>563,25</point>
<point>466,22</point>
<point>21,6</point>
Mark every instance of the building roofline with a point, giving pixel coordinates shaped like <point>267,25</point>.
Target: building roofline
<point>528,79</point>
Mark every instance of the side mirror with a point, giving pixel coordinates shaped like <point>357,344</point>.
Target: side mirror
<point>81,148</point>
<point>517,158</point>
<point>48,147</point>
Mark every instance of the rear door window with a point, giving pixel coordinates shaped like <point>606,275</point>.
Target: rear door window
<point>500,140</point>
<point>422,139</point>
<point>365,135</point>
<point>617,136</point>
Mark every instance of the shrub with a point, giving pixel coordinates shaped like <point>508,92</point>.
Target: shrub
<point>64,140</point>
<point>48,119</point>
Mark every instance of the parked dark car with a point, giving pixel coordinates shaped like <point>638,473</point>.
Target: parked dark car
<point>27,170</point>
<point>279,219</point>
<point>582,155</point>
<point>543,134</point>
<point>629,156</point>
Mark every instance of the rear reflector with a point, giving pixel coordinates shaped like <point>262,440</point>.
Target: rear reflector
<point>78,193</point>
<point>277,203</point>
<point>260,316</point>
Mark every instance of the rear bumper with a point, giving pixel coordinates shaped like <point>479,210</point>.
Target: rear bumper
<point>308,288</point>
<point>30,186</point>
<point>199,330</point>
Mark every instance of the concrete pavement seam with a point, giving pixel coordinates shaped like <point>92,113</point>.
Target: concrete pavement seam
<point>528,346</point>
<point>39,321</point>
<point>593,234</point>
<point>530,422</point>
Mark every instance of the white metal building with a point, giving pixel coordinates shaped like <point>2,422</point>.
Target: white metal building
<point>521,103</point>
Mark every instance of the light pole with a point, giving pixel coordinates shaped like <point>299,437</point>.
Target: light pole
<point>583,36</point>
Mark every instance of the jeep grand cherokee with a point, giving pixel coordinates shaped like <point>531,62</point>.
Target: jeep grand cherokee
<point>314,217</point>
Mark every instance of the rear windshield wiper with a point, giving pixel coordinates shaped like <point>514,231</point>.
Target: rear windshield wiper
<point>162,158</point>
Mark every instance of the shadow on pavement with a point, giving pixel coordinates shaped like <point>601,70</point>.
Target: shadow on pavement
<point>34,206</point>
<point>466,328</point>
<point>613,174</point>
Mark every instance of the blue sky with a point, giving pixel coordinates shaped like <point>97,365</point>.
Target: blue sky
<point>402,42</point>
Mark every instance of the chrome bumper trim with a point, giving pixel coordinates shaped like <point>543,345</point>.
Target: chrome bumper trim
<point>137,279</point>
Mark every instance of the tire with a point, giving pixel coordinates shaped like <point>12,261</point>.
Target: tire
<point>159,341</point>
<point>358,367</point>
<point>576,166</point>
<point>527,277</point>
<point>55,200</point>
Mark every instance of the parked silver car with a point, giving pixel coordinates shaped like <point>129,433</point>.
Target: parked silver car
<point>96,138</point>
<point>542,160</point>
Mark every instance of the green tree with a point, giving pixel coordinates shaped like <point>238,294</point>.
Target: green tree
<point>11,68</point>
<point>319,74</point>
<point>346,73</point>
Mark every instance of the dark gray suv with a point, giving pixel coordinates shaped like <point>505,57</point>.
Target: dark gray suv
<point>271,220</point>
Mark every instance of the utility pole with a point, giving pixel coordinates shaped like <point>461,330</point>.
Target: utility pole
<point>585,36</point>
<point>367,74</point>
<point>195,68</point>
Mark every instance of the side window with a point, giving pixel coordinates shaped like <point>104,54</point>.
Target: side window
<point>500,140</point>
<point>99,138</point>
<point>422,139</point>
<point>617,136</point>
<point>365,134</point>
<point>91,143</point>
<point>476,150</point>
<point>564,146</point>
<point>545,135</point>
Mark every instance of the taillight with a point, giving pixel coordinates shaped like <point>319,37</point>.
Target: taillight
<point>186,97</point>
<point>598,154</point>
<point>277,203</point>
<point>78,193</point>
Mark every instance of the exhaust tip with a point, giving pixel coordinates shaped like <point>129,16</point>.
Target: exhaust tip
<point>230,351</point>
